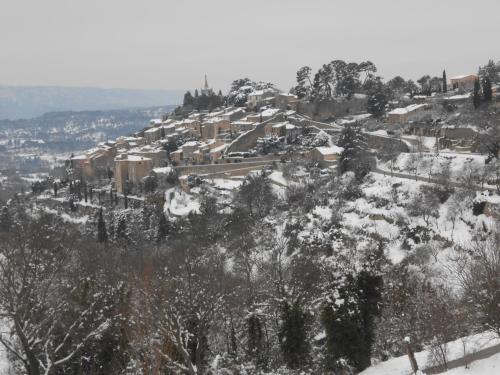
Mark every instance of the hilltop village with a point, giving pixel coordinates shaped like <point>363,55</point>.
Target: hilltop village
<point>268,126</point>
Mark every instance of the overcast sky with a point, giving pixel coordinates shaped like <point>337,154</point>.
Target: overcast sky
<point>171,44</point>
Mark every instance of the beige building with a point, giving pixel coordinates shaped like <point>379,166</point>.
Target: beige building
<point>130,169</point>
<point>152,135</point>
<point>285,129</point>
<point>264,115</point>
<point>258,98</point>
<point>129,142</point>
<point>94,164</point>
<point>463,82</point>
<point>176,156</point>
<point>286,101</point>
<point>403,115</point>
<point>324,154</point>
<point>233,114</point>
<point>242,126</point>
<point>212,128</point>
<point>157,155</point>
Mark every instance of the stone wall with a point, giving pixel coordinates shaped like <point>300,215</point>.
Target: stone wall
<point>379,142</point>
<point>332,108</point>
<point>221,168</point>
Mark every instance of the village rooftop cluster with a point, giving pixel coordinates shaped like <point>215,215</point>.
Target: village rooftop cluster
<point>231,141</point>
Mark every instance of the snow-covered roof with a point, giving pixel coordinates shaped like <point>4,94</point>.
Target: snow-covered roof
<point>279,125</point>
<point>459,97</point>
<point>330,150</point>
<point>219,148</point>
<point>243,122</point>
<point>137,158</point>
<point>213,120</point>
<point>152,130</point>
<point>405,110</point>
<point>125,157</point>
<point>79,157</point>
<point>191,144</point>
<point>270,112</point>
<point>462,76</point>
<point>162,170</point>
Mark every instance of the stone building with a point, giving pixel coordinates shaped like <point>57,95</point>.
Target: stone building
<point>130,169</point>
<point>152,135</point>
<point>403,115</point>
<point>463,82</point>
<point>324,154</point>
<point>213,127</point>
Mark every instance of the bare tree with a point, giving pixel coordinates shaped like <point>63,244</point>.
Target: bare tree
<point>38,297</point>
<point>478,271</point>
<point>413,163</point>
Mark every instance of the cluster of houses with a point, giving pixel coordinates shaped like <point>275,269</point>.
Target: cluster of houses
<point>202,137</point>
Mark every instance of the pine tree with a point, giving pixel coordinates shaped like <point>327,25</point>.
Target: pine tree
<point>476,96</point>
<point>353,156</point>
<point>487,90</point>
<point>102,235</point>
<point>377,99</point>
<point>293,335</point>
<point>188,99</point>
<point>445,82</point>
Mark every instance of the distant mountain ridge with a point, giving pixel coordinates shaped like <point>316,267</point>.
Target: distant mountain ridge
<point>31,101</point>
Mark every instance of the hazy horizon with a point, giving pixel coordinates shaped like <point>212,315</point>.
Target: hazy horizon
<point>159,45</point>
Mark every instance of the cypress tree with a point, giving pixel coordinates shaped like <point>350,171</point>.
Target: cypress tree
<point>487,90</point>
<point>445,82</point>
<point>293,335</point>
<point>233,345</point>
<point>369,286</point>
<point>341,319</point>
<point>121,228</point>
<point>256,340</point>
<point>5,220</point>
<point>85,192</point>
<point>163,228</point>
<point>476,96</point>
<point>102,235</point>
